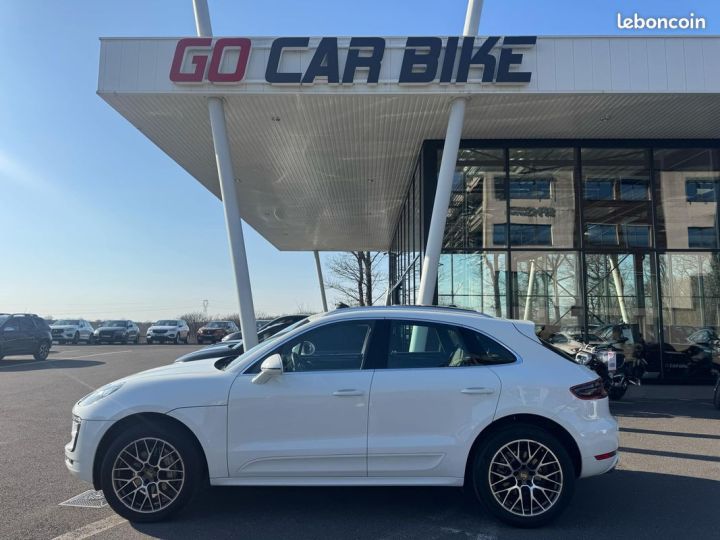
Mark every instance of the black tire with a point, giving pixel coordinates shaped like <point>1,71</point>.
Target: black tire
<point>42,351</point>
<point>76,338</point>
<point>149,341</point>
<point>564,475</point>
<point>137,339</point>
<point>187,339</point>
<point>176,341</point>
<point>61,342</point>
<point>192,462</point>
<point>716,396</point>
<point>199,341</point>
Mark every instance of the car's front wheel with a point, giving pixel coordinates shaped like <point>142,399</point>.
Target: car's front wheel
<point>150,472</point>
<point>524,476</point>
<point>716,397</point>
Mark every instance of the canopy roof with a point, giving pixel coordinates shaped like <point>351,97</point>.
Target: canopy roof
<point>326,167</point>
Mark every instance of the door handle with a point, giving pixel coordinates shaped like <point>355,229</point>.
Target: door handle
<point>347,392</point>
<point>478,390</point>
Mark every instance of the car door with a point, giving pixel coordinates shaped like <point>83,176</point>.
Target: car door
<point>310,420</point>
<point>429,402</point>
<point>11,336</point>
<point>26,340</point>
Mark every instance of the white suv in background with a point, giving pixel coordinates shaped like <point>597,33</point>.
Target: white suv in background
<point>168,330</point>
<point>72,331</point>
<point>396,396</point>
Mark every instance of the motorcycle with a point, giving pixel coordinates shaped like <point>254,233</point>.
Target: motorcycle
<point>611,365</point>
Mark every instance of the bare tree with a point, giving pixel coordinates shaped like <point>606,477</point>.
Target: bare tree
<point>357,277</point>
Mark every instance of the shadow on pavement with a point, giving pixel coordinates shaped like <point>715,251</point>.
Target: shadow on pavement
<point>35,365</point>
<point>624,504</point>
<point>668,408</point>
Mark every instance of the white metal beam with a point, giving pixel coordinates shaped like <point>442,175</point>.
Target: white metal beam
<point>433,247</point>
<point>318,267</point>
<point>228,190</point>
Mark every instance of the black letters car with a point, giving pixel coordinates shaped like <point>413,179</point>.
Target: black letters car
<point>23,333</point>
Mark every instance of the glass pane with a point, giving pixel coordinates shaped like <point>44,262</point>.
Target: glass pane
<point>616,203</point>
<point>475,203</point>
<point>330,347</point>
<point>542,198</point>
<point>691,313</point>
<point>474,281</point>
<point>620,305</point>
<point>687,181</point>
<point>420,345</point>
<point>546,290</point>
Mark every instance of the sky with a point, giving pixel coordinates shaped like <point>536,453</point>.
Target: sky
<point>97,222</point>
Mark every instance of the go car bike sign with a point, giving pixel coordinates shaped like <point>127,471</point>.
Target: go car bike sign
<point>424,60</point>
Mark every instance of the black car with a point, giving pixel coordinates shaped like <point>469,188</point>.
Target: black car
<point>122,331</point>
<point>235,348</point>
<point>24,333</point>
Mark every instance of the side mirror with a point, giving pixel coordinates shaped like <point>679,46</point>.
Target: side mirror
<point>271,367</point>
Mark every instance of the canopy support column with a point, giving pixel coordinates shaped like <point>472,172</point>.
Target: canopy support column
<point>433,247</point>
<point>228,190</point>
<point>318,267</point>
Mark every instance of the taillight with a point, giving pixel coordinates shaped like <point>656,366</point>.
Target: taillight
<point>591,390</point>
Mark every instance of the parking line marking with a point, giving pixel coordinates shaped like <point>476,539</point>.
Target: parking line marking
<point>91,529</point>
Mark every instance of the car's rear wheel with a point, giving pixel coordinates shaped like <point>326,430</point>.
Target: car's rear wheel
<point>43,351</point>
<point>150,472</point>
<point>524,476</point>
<point>76,338</point>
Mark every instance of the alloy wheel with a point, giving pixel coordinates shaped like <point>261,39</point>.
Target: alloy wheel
<point>525,477</point>
<point>148,475</point>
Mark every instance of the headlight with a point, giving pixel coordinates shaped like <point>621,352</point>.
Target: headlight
<point>100,393</point>
<point>96,332</point>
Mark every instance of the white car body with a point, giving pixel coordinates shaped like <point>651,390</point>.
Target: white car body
<point>168,332</point>
<point>62,333</point>
<point>358,427</point>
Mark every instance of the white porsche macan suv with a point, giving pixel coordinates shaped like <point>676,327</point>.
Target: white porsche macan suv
<point>402,396</point>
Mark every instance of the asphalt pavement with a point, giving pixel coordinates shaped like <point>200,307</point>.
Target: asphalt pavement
<point>667,484</point>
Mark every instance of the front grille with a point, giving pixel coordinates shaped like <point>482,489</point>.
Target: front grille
<point>159,331</point>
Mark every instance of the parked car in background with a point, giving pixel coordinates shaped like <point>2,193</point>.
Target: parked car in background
<point>214,331</point>
<point>117,331</point>
<point>572,342</point>
<point>168,330</point>
<point>280,322</point>
<point>24,333</point>
<point>72,331</point>
<point>236,348</point>
<point>411,396</point>
<point>261,322</point>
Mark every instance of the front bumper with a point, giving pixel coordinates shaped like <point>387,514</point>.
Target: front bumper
<point>160,337</point>
<point>80,453</point>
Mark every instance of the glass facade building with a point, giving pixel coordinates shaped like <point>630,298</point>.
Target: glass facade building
<point>591,238</point>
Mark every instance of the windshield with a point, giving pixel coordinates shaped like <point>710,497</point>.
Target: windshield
<point>115,323</point>
<point>4,318</point>
<point>166,323</point>
<point>67,322</point>
<point>267,343</point>
<point>218,324</point>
